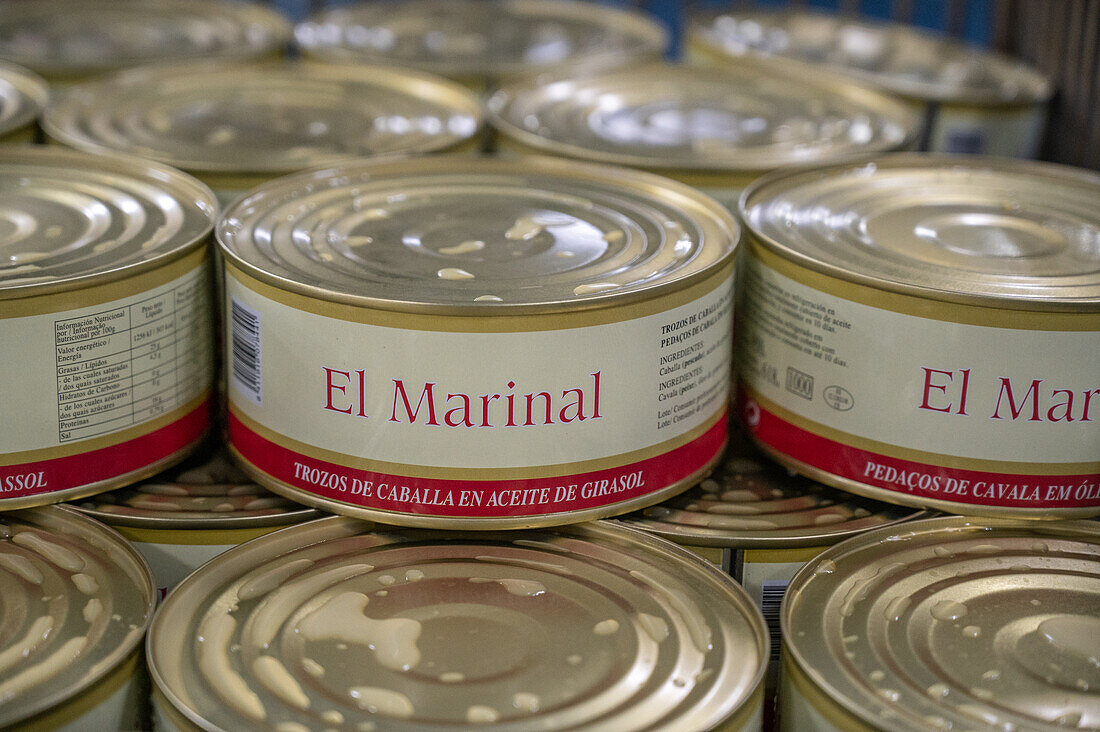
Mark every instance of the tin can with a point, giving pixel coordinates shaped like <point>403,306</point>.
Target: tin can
<point>342,621</point>
<point>181,519</point>
<point>953,623</point>
<point>761,523</point>
<point>77,601</point>
<point>71,40</point>
<point>236,125</point>
<point>923,330</point>
<point>715,129</point>
<point>23,96</point>
<point>104,286</point>
<point>477,343</point>
<point>973,100</point>
<point>480,42</point>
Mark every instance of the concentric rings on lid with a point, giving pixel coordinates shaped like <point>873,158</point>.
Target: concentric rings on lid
<point>68,217</point>
<point>483,39</point>
<point>210,492</point>
<point>661,116</point>
<point>79,38</point>
<point>750,503</point>
<point>971,229</point>
<point>341,621</point>
<point>451,235</point>
<point>75,605</point>
<point>23,96</point>
<point>271,118</point>
<point>894,57</point>
<point>950,623</point>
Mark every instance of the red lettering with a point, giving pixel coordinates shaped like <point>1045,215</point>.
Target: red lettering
<point>329,387</point>
<point>410,414</point>
<point>928,386</point>
<point>1032,394</point>
<point>463,409</point>
<point>548,403</point>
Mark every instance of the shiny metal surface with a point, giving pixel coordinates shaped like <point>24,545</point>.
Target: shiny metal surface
<point>894,57</point>
<point>455,235</point>
<point>481,39</point>
<point>23,96</point>
<point>76,602</point>
<point>345,622</point>
<point>69,218</point>
<point>954,623</point>
<point>970,229</point>
<point>271,118</point>
<point>72,39</point>
<point>751,503</point>
<point>661,117</point>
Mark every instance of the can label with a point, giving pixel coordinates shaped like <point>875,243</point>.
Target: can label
<point>106,388</point>
<point>1013,132</point>
<point>495,416</point>
<point>928,400</point>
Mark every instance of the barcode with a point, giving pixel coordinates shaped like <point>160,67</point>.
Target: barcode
<point>771,597</point>
<point>247,376</point>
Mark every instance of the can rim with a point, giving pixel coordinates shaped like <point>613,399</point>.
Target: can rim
<point>119,655</point>
<point>1080,528</point>
<point>648,38</point>
<point>720,222</point>
<point>1039,91</point>
<point>32,95</point>
<point>202,198</point>
<point>60,116</point>
<point>854,92</point>
<point>321,531</point>
<point>779,181</point>
<point>278,32</point>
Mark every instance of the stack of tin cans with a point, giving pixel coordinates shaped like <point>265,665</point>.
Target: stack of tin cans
<point>636,406</point>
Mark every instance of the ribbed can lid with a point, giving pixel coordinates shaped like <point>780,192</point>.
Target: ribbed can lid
<point>340,621</point>
<point>954,623</point>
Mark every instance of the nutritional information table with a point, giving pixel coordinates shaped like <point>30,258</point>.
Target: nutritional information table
<point>132,363</point>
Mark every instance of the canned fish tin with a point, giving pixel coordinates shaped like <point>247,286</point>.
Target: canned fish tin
<point>973,100</point>
<point>181,519</point>
<point>762,524</point>
<point>235,126</point>
<point>70,40</point>
<point>346,622</point>
<point>480,42</point>
<point>76,604</point>
<point>105,317</point>
<point>23,96</point>
<point>477,343</point>
<point>955,623</point>
<point>923,330</point>
<point>715,129</point>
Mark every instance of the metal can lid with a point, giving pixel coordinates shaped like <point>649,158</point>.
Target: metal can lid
<point>206,492</point>
<point>954,623</point>
<point>891,56</point>
<point>967,229</point>
<point>484,39</point>
<point>586,626</point>
<point>751,503</point>
<point>263,118</point>
<point>661,116</point>
<point>77,602</point>
<point>76,38</point>
<point>70,217</point>
<point>23,96</point>
<point>477,236</point>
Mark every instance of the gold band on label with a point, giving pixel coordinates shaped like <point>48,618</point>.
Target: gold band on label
<point>1013,315</point>
<point>70,712</point>
<point>580,318</point>
<point>795,680</point>
<point>195,537</point>
<point>919,456</point>
<point>782,556</point>
<point>116,289</point>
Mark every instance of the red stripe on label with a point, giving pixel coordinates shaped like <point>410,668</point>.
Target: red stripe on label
<point>73,471</point>
<point>921,480</point>
<point>476,498</point>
